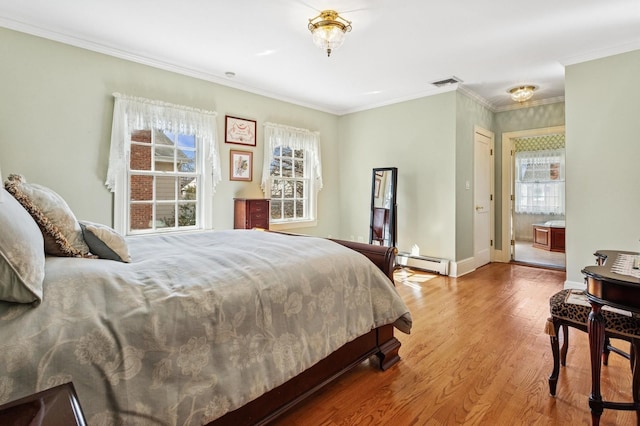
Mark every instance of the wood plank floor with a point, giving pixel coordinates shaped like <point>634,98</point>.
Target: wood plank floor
<point>477,355</point>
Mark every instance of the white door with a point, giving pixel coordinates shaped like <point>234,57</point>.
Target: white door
<point>482,195</point>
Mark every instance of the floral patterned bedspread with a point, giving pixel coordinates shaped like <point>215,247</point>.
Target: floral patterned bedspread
<point>197,325</point>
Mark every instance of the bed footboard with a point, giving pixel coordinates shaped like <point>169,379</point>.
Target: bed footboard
<point>379,342</point>
<point>383,257</point>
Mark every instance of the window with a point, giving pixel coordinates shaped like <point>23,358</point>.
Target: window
<point>289,185</point>
<point>540,182</point>
<point>292,175</point>
<point>163,166</point>
<point>163,177</point>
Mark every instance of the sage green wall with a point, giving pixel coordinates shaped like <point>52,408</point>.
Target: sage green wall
<point>536,117</point>
<point>55,124</point>
<point>469,114</point>
<point>418,137</point>
<point>602,163</point>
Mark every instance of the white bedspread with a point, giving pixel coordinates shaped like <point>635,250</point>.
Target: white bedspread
<point>197,325</point>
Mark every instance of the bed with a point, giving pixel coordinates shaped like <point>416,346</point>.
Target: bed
<point>224,327</point>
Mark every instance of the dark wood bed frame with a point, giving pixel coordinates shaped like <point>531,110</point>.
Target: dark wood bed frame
<point>380,342</point>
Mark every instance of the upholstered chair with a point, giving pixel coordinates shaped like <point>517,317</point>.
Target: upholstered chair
<point>570,308</point>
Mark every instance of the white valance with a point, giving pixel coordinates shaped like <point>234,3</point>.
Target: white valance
<point>276,135</point>
<point>134,113</point>
<point>540,166</point>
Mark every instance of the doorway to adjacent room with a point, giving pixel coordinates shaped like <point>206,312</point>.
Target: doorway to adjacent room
<point>533,197</point>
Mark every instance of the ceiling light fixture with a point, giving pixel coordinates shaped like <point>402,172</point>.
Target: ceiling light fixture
<point>328,30</point>
<point>522,93</point>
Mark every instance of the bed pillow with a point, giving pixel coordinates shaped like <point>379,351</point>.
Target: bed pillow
<point>21,253</point>
<point>105,242</point>
<point>61,230</point>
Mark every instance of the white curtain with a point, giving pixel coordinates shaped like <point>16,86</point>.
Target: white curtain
<point>280,135</point>
<point>540,182</point>
<point>133,113</point>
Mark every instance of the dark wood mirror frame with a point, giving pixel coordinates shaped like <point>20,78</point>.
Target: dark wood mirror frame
<point>382,226</point>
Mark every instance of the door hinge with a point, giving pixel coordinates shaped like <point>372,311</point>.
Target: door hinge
<point>490,197</point>
<point>512,197</point>
<point>491,151</point>
<point>513,242</point>
<point>491,243</point>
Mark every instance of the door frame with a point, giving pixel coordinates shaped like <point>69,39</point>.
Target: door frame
<point>508,182</point>
<point>491,136</point>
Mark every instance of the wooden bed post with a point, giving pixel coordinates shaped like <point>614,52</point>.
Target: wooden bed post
<point>389,347</point>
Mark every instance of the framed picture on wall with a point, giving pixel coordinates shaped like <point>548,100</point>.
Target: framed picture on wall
<point>240,165</point>
<point>239,131</point>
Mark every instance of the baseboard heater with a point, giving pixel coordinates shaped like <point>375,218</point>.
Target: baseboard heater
<point>425,263</point>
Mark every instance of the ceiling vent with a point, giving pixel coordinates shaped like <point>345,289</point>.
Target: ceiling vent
<point>447,81</point>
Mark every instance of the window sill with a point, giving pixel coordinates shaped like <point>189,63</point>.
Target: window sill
<point>181,231</point>
<point>280,226</point>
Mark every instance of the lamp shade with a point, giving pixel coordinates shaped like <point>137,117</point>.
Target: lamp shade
<point>522,93</point>
<point>328,30</point>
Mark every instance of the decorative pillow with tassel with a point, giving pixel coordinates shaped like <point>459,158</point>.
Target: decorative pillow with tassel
<point>61,231</point>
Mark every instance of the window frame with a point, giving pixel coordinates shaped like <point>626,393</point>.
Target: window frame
<point>282,136</point>
<point>309,200</point>
<point>155,200</point>
<point>122,204</point>
<point>133,113</point>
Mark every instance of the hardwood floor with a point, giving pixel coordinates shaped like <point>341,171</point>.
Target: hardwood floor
<point>477,355</point>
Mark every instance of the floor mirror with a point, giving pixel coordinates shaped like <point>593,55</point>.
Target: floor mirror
<point>382,228</point>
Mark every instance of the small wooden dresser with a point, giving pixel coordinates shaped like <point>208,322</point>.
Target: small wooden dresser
<point>250,213</point>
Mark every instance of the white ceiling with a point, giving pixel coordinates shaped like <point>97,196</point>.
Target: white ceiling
<point>396,49</point>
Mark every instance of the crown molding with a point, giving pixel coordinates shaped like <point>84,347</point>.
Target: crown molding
<point>473,95</point>
<point>530,104</point>
<point>224,81</point>
<point>144,60</point>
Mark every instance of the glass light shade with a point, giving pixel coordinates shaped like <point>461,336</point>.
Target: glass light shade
<point>328,37</point>
<point>328,30</point>
<point>522,93</point>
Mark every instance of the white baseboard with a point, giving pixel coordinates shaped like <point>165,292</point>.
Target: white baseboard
<point>463,267</point>
<point>425,263</point>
